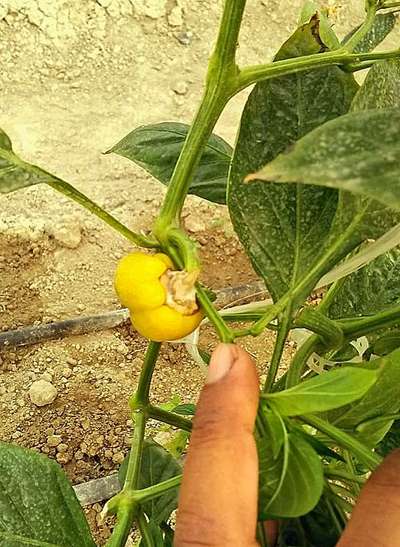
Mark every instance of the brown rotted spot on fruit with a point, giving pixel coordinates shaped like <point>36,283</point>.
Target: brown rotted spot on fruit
<point>181,290</point>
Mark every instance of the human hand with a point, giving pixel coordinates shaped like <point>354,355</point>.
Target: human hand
<point>218,497</point>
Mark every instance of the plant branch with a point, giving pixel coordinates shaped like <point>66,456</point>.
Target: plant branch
<point>220,87</point>
<point>283,331</point>
<point>362,452</point>
<point>157,490</point>
<point>144,530</point>
<point>169,418</point>
<point>371,9</point>
<point>253,74</point>
<point>141,397</point>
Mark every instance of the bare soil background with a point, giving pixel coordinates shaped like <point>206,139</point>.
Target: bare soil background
<point>76,76</point>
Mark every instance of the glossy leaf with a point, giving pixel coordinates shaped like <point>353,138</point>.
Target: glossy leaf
<point>384,23</point>
<point>157,147</point>
<point>357,152</point>
<point>382,399</point>
<point>386,344</point>
<point>157,465</point>
<point>292,483</point>
<point>324,392</point>
<point>37,503</point>
<point>283,228</point>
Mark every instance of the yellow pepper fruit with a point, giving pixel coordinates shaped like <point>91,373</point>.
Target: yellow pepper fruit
<point>142,284</point>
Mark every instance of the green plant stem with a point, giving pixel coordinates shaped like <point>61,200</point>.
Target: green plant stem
<point>253,74</point>
<point>388,5</point>
<point>362,452</point>
<point>72,193</point>
<point>352,468</point>
<point>147,494</point>
<point>300,359</point>
<point>169,418</point>
<point>359,35</point>
<point>346,476</point>
<point>141,397</point>
<point>354,328</point>
<point>225,334</point>
<point>283,331</point>
<point>124,504</point>
<point>144,530</point>
<point>262,535</point>
<point>220,87</point>
<point>313,320</point>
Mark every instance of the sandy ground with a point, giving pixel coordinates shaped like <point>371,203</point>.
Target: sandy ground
<point>76,77</point>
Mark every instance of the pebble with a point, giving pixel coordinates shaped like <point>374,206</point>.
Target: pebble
<point>3,390</point>
<point>62,447</point>
<point>180,88</point>
<point>42,393</point>
<point>69,237</point>
<point>54,440</point>
<point>47,377</point>
<point>118,457</point>
<point>175,17</point>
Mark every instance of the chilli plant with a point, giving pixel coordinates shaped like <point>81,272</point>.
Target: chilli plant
<point>313,190</point>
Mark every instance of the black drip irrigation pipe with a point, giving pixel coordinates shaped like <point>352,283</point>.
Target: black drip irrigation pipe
<point>35,334</point>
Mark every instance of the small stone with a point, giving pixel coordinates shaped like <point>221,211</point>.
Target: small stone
<point>63,458</point>
<point>68,236</point>
<point>78,455</point>
<point>66,372</point>
<point>118,457</point>
<point>62,447</point>
<point>54,440</point>
<point>180,88</point>
<point>42,393</point>
<point>108,454</point>
<point>47,377</point>
<point>3,390</point>
<point>185,38</point>
<point>71,361</point>
<point>175,17</point>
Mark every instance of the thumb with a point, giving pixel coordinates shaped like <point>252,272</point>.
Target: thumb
<point>218,496</point>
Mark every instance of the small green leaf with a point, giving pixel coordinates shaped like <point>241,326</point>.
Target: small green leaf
<point>5,141</point>
<point>383,398</point>
<point>37,503</point>
<point>384,23</point>
<point>157,147</point>
<point>292,483</point>
<point>357,152</point>
<point>188,409</point>
<point>157,466</point>
<point>391,441</point>
<point>386,344</point>
<point>324,392</point>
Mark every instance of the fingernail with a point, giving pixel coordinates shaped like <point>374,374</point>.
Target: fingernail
<point>221,363</point>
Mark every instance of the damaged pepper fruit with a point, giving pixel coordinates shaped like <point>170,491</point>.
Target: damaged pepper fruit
<point>162,301</point>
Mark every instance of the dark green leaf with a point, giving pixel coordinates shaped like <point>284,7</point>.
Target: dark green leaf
<point>37,503</point>
<point>383,25</point>
<point>155,533</point>
<point>5,141</point>
<point>319,447</point>
<point>382,399</point>
<point>290,485</point>
<point>386,344</point>
<point>157,466</point>
<point>357,152</point>
<point>370,290</point>
<point>329,390</point>
<point>381,88</point>
<point>156,148</point>
<point>391,441</point>
<point>283,228</point>
<point>188,409</point>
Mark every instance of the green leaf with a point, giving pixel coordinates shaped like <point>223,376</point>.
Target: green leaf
<point>326,32</point>
<point>371,289</point>
<point>329,390</point>
<point>283,228</point>
<point>37,503</point>
<point>381,88</point>
<point>386,344</point>
<point>157,466</point>
<point>155,532</point>
<point>292,483</point>
<point>382,399</point>
<point>383,25</point>
<point>188,409</point>
<point>391,441</point>
<point>157,147</point>
<point>357,152</point>
<point>5,141</point>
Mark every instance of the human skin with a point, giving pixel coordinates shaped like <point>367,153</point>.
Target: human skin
<point>218,496</point>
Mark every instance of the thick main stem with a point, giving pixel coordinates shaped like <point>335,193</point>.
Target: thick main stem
<point>220,87</point>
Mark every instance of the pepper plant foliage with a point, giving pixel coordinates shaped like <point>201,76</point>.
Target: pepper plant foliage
<point>313,178</point>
